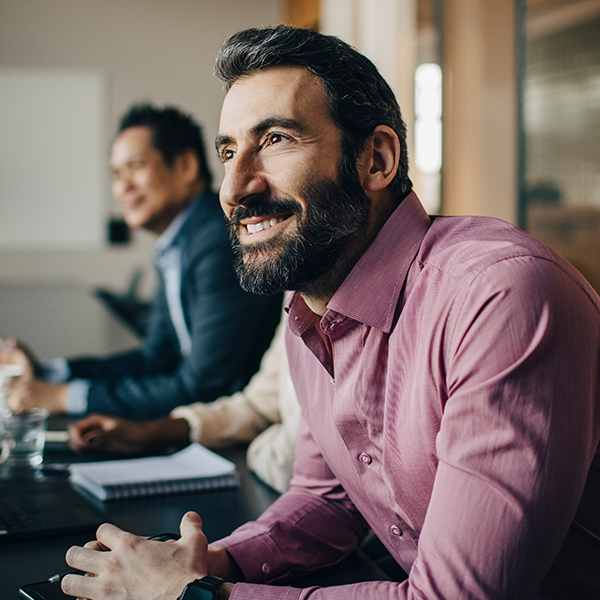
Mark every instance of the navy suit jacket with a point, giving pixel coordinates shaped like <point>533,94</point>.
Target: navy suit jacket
<point>230,330</point>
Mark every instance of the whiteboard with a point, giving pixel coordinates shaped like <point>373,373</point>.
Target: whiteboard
<point>53,156</point>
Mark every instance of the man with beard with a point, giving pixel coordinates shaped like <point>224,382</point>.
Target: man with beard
<point>447,368</point>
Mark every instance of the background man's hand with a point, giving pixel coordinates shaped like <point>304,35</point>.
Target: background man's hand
<point>15,352</point>
<point>123,436</point>
<point>29,393</point>
<point>125,566</point>
<point>108,434</point>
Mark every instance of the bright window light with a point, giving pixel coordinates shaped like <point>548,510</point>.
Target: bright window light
<point>428,112</point>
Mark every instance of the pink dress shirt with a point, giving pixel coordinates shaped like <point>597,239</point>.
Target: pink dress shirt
<point>456,411</point>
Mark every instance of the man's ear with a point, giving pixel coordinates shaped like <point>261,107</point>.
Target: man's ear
<point>188,166</point>
<point>378,162</point>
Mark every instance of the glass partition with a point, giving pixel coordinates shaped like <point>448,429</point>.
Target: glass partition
<point>561,129</point>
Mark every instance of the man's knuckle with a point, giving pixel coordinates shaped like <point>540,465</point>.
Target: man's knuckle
<point>101,530</point>
<point>113,564</point>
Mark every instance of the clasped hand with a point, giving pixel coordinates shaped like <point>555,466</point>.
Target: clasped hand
<point>123,566</point>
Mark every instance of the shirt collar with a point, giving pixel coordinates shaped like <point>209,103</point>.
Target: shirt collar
<point>371,291</point>
<point>168,237</point>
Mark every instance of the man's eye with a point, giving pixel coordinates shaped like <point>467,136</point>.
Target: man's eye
<point>226,155</point>
<point>275,138</point>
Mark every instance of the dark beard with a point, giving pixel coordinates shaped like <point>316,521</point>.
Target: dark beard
<point>335,222</point>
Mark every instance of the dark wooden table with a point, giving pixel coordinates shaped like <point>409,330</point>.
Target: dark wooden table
<point>31,317</point>
<point>222,511</point>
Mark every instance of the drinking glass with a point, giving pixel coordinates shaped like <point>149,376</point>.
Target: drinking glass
<point>28,432</point>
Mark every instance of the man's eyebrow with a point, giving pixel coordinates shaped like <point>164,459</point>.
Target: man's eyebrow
<point>222,140</point>
<point>262,126</point>
<point>130,159</point>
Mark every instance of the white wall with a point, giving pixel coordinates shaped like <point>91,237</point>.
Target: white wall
<point>149,50</point>
<point>53,123</point>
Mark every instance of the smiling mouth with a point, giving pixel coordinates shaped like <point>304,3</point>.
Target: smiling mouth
<point>132,204</point>
<point>253,228</point>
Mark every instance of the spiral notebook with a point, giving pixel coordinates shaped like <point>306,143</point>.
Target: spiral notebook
<point>192,469</point>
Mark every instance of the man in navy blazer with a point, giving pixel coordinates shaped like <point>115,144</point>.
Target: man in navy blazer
<point>205,336</point>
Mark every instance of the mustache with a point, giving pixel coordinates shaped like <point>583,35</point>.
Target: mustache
<point>261,207</point>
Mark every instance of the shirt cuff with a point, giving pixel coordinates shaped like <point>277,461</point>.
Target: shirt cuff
<point>251,591</point>
<point>56,370</point>
<point>195,423</point>
<point>255,555</point>
<point>77,400</point>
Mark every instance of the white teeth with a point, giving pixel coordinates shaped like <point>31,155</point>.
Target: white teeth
<point>256,227</point>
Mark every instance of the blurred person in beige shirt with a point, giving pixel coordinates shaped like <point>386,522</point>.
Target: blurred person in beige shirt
<point>265,413</point>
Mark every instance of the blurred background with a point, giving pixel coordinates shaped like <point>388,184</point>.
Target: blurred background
<point>501,98</point>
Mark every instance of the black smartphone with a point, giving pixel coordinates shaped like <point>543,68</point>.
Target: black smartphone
<point>44,590</point>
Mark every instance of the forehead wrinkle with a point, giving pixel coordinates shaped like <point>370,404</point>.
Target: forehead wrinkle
<point>295,82</point>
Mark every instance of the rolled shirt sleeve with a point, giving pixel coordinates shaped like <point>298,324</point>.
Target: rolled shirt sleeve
<point>57,371</point>
<point>226,421</point>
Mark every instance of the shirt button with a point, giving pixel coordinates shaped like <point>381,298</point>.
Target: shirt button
<point>266,569</point>
<point>332,382</point>
<point>365,458</point>
<point>396,531</point>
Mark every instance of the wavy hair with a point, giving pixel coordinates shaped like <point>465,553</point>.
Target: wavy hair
<point>359,97</point>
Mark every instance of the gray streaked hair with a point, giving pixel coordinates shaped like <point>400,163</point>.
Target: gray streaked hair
<point>359,97</point>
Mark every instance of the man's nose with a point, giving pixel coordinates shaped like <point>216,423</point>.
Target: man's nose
<point>122,184</point>
<point>244,179</point>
